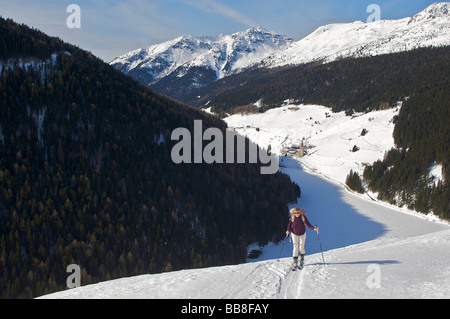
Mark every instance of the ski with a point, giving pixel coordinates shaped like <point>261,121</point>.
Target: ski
<point>301,265</point>
<point>297,267</point>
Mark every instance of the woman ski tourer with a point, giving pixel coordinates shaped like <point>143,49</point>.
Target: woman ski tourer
<point>297,228</point>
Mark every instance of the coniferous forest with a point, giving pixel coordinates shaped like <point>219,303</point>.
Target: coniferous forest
<point>86,176</point>
<point>422,139</point>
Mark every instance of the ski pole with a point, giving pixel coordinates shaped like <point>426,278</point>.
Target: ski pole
<point>318,237</point>
<point>284,242</point>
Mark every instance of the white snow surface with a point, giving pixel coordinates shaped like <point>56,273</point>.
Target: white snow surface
<point>332,136</point>
<point>371,249</point>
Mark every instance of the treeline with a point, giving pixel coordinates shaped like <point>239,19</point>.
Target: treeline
<point>353,181</point>
<point>422,139</point>
<point>86,177</point>
<point>360,84</point>
<point>16,41</point>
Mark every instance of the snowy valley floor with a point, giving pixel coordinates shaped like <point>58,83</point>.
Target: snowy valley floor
<point>408,267</point>
<point>371,249</point>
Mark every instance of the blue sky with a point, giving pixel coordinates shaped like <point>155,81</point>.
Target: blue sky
<point>110,28</point>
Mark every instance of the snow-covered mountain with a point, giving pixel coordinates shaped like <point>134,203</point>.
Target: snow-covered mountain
<point>430,27</point>
<point>205,59</point>
<point>220,55</point>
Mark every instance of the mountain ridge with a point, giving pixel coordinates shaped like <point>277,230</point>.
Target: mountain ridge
<point>190,70</point>
<point>430,27</point>
<point>224,54</point>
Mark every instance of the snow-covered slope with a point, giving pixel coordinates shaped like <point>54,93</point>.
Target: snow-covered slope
<point>430,27</point>
<point>408,267</point>
<point>330,136</point>
<point>371,249</point>
<point>222,54</point>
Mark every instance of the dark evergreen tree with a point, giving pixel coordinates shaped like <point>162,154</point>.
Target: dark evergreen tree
<point>353,181</point>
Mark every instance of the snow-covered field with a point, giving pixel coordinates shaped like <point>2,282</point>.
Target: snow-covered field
<point>408,267</point>
<point>371,249</point>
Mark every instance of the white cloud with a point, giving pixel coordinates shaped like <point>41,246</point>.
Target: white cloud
<point>213,6</point>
